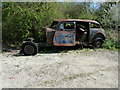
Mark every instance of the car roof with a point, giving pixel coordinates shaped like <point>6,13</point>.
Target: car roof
<point>82,20</point>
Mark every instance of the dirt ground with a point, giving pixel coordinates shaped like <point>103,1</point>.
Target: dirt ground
<point>73,69</point>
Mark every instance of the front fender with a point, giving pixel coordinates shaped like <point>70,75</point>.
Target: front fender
<point>96,39</point>
<point>97,36</point>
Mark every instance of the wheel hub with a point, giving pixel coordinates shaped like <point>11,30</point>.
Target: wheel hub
<point>98,44</point>
<point>29,49</point>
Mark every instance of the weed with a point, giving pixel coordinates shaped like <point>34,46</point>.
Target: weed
<point>111,41</point>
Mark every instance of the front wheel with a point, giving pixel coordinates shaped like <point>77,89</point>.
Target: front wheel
<point>97,43</point>
<point>29,48</point>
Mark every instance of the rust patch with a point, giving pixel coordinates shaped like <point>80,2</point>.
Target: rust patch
<point>82,20</point>
<point>64,38</point>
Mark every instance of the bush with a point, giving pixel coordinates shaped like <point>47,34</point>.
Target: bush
<point>111,41</point>
<point>110,44</point>
<point>21,21</point>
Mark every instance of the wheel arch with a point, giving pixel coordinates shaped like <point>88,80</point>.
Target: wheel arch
<point>29,43</point>
<point>98,36</point>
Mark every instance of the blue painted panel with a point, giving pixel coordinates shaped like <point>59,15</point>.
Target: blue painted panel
<point>63,37</point>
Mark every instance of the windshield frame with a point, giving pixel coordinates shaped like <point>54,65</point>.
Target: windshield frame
<point>54,25</point>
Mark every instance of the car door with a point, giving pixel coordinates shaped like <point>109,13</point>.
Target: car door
<point>65,35</point>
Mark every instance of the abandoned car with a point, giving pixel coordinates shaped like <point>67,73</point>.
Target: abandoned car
<point>68,32</point>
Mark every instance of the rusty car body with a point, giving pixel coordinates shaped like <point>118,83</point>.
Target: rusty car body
<point>69,32</point>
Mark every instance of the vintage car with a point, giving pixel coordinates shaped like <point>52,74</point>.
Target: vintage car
<point>68,32</point>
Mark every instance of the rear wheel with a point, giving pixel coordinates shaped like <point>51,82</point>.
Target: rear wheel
<point>29,48</point>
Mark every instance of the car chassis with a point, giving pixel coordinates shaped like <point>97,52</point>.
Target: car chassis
<point>68,32</point>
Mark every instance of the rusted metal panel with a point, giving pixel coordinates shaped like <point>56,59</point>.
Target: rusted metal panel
<point>64,38</point>
<point>49,35</point>
<point>95,31</point>
<point>82,20</point>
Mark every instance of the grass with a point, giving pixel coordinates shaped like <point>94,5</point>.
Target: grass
<point>111,41</point>
<point>110,44</point>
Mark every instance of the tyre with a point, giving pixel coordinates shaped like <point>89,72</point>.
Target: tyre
<point>97,43</point>
<point>29,48</point>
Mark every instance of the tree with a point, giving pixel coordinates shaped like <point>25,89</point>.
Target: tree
<point>21,21</point>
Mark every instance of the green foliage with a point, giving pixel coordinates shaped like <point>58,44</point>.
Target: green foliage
<point>107,14</point>
<point>110,44</point>
<point>23,20</point>
<point>27,19</point>
<point>78,10</point>
<point>111,40</point>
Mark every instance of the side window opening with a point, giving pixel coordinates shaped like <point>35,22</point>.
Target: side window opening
<point>61,26</point>
<point>94,25</point>
<point>82,25</point>
<point>67,26</point>
<point>82,31</point>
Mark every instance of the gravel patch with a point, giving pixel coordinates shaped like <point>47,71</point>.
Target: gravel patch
<point>73,69</point>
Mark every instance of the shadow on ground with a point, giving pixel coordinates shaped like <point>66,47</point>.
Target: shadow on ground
<point>51,50</point>
<point>59,49</point>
